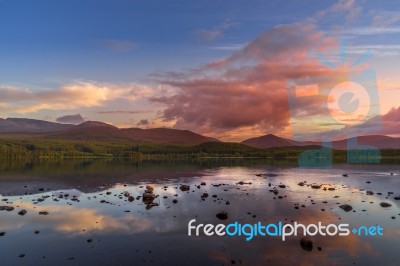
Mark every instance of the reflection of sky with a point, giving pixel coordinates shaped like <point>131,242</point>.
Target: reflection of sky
<point>163,229</point>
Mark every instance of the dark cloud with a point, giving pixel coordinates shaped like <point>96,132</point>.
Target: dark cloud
<point>123,112</point>
<point>143,122</point>
<point>71,119</point>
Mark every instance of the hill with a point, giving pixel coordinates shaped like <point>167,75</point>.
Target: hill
<point>97,131</point>
<point>272,141</point>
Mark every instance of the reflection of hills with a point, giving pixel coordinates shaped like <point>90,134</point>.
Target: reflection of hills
<point>94,175</point>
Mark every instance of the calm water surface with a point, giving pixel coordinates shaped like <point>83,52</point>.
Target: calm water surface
<point>87,220</point>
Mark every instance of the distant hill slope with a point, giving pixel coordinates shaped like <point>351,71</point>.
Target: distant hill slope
<point>91,130</point>
<point>99,131</point>
<point>378,141</point>
<point>272,141</point>
<point>24,125</point>
<point>167,135</point>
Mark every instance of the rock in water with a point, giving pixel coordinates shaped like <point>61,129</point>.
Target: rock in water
<point>346,207</point>
<point>306,244</point>
<point>184,188</point>
<point>385,204</point>
<point>148,196</point>
<point>149,187</point>
<point>130,198</point>
<point>222,215</point>
<point>22,212</point>
<point>6,208</point>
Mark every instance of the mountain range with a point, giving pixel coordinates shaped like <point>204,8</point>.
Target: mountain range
<point>99,131</point>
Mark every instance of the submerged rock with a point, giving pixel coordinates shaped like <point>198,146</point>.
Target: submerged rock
<point>346,207</point>
<point>370,193</point>
<point>222,215</point>
<point>2,233</point>
<point>131,198</point>
<point>314,186</point>
<point>306,244</point>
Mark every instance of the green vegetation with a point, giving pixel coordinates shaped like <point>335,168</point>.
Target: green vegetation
<point>41,148</point>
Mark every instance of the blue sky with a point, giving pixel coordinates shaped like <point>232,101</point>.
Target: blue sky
<point>46,46</point>
<point>53,41</point>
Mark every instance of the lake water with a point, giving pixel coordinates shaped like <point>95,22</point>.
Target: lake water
<point>77,213</point>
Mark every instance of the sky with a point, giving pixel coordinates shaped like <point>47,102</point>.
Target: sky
<point>226,69</point>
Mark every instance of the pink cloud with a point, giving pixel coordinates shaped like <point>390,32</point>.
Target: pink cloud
<point>248,89</point>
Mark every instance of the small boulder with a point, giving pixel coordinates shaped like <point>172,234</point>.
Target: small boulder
<point>385,204</point>
<point>148,196</point>
<point>184,188</point>
<point>346,207</point>
<point>306,244</point>
<point>222,215</point>
<point>22,212</point>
